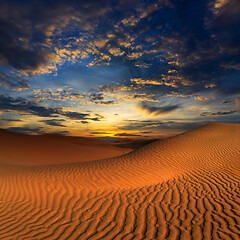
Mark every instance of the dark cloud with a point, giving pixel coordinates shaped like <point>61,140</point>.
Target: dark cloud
<point>135,124</point>
<point>95,119</point>
<point>156,111</point>
<point>219,113</point>
<point>108,139</point>
<point>99,133</point>
<point>126,135</point>
<point>25,106</point>
<point>32,130</point>
<point>110,102</point>
<point>225,25</point>
<point>54,122</point>
<point>172,48</point>
<point>198,40</point>
<point>26,130</point>
<point>229,86</point>
<point>30,107</point>
<point>13,83</point>
<point>96,96</point>
<point>11,120</point>
<point>160,125</point>
<point>84,122</point>
<point>76,115</point>
<point>230,101</point>
<point>198,51</point>
<point>27,28</point>
<point>81,116</point>
<point>59,133</point>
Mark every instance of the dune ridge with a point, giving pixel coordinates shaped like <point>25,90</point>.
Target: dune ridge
<point>184,187</point>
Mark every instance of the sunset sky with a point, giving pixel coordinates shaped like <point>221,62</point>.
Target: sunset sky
<point>118,69</point>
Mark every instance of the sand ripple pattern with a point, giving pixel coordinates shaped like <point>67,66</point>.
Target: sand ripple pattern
<point>153,193</point>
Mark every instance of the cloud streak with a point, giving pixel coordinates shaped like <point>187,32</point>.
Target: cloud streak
<point>156,111</point>
<point>54,122</point>
<point>219,113</point>
<point>29,107</point>
<point>13,83</point>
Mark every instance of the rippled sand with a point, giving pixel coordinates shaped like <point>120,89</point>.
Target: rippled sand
<point>184,187</point>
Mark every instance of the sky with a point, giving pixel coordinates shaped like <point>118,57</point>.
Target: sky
<point>118,69</point>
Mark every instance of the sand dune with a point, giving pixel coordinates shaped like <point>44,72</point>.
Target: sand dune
<point>54,149</point>
<point>184,187</point>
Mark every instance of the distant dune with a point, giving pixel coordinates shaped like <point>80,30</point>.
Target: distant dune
<point>133,143</point>
<point>184,187</point>
<point>54,149</point>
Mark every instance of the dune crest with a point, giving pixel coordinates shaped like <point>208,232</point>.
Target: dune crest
<point>184,187</point>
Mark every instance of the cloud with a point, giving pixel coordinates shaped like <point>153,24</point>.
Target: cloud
<point>136,124</point>
<point>126,135</point>
<point>60,133</point>
<point>228,101</point>
<point>165,126</point>
<point>116,52</point>
<point>63,95</point>
<point>201,98</point>
<point>110,102</point>
<point>26,130</point>
<point>76,115</point>
<point>84,122</point>
<point>156,111</point>
<point>26,106</point>
<point>99,133</point>
<point>13,83</point>
<point>114,88</point>
<point>37,37</point>
<point>82,116</point>
<point>219,113</point>
<point>96,96</point>
<point>128,92</point>
<point>54,122</point>
<point>33,131</point>
<point>141,39</point>
<point>236,101</point>
<point>11,120</point>
<point>28,29</point>
<point>30,107</point>
<point>141,81</point>
<point>225,23</point>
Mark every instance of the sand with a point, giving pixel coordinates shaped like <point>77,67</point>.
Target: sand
<point>184,187</point>
<point>30,150</point>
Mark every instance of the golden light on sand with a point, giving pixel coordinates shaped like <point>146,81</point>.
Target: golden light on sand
<point>119,120</point>
<point>184,187</point>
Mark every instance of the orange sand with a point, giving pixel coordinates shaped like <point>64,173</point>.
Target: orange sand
<point>184,187</point>
<point>54,149</point>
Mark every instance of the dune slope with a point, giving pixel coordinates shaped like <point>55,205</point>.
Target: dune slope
<point>23,149</point>
<point>184,187</point>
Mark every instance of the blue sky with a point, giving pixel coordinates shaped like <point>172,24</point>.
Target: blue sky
<point>118,68</point>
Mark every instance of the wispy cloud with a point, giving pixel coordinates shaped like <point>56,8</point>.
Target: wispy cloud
<point>24,106</point>
<point>13,83</point>
<point>54,122</point>
<point>219,113</point>
<point>156,110</point>
<point>126,135</point>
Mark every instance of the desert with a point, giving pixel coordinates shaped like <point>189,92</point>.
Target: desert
<point>119,120</point>
<point>182,187</point>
